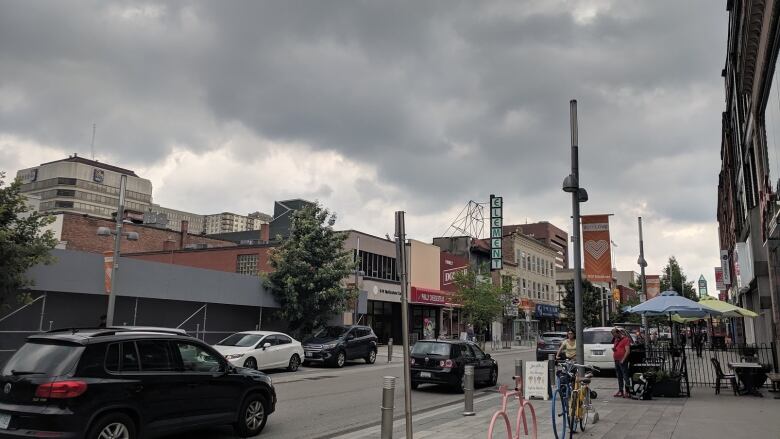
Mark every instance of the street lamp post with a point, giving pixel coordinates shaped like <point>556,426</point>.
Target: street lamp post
<point>579,195</point>
<point>118,234</point>
<point>642,264</point>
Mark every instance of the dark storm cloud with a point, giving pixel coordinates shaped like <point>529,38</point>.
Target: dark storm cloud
<point>448,100</point>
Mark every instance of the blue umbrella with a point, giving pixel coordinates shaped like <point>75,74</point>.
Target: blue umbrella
<point>669,303</point>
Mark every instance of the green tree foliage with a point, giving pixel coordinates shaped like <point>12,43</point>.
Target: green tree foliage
<point>591,311</point>
<point>482,301</point>
<point>23,244</point>
<point>674,278</point>
<point>309,268</point>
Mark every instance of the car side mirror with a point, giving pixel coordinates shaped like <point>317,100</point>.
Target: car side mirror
<point>266,345</point>
<point>351,337</point>
<point>487,356</point>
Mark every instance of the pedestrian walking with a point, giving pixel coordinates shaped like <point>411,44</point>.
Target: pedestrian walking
<point>698,342</point>
<point>568,347</point>
<point>470,332</point>
<point>620,350</point>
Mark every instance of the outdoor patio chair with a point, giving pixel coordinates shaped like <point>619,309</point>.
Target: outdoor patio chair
<point>720,376</point>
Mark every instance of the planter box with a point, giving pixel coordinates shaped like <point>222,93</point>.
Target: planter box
<point>669,388</point>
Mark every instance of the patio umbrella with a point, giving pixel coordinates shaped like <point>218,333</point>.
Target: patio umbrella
<point>726,309</point>
<point>669,303</point>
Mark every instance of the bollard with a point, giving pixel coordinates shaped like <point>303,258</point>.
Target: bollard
<point>388,396</point>
<point>389,350</point>
<point>468,391</point>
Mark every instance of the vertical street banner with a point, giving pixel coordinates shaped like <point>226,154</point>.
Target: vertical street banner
<point>108,262</point>
<point>596,246</point>
<point>725,266</point>
<point>496,232</point>
<point>719,286</point>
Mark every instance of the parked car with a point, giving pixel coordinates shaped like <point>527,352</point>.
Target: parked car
<point>444,362</point>
<point>548,343</point>
<point>262,350</point>
<point>597,344</point>
<point>127,383</point>
<point>335,345</point>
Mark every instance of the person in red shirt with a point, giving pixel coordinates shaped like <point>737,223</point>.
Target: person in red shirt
<point>621,347</point>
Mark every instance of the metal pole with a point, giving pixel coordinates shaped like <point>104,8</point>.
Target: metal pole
<point>205,311</point>
<point>642,265</point>
<point>575,207</point>
<point>197,330</point>
<point>43,311</point>
<point>388,396</point>
<point>468,391</point>
<point>135,311</point>
<point>518,369</point>
<point>120,213</point>
<point>390,349</point>
<point>400,251</point>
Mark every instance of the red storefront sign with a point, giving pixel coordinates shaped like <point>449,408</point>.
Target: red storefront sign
<point>429,296</point>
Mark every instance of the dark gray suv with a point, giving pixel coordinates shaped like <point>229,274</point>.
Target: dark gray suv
<point>335,345</point>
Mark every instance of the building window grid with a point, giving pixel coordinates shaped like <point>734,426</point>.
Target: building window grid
<point>377,266</point>
<point>247,264</point>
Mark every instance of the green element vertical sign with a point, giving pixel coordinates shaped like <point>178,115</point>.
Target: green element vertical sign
<point>496,231</point>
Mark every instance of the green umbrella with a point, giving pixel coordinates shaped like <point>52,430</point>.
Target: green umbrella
<point>726,309</point>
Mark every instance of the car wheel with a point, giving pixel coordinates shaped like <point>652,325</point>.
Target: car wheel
<point>415,385</point>
<point>250,363</point>
<point>113,425</point>
<point>461,388</point>
<point>252,417</point>
<point>295,361</point>
<point>493,377</point>
<point>340,360</point>
<point>371,358</point>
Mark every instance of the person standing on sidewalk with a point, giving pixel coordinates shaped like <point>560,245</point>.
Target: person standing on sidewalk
<point>470,332</point>
<point>620,350</point>
<point>568,346</point>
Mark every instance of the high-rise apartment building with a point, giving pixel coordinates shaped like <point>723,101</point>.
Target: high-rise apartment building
<point>227,222</point>
<point>549,234</point>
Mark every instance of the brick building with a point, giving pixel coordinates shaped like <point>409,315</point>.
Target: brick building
<point>548,234</point>
<point>242,259</point>
<point>79,232</point>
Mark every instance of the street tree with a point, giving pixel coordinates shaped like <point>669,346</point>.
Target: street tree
<point>309,269</point>
<point>23,243</point>
<point>674,279</point>
<point>591,310</point>
<point>483,302</point>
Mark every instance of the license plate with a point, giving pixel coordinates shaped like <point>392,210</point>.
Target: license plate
<point>4,420</point>
<point>425,374</point>
<point>597,352</point>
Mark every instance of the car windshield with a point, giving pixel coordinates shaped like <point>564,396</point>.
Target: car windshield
<point>554,335</point>
<point>597,337</point>
<point>431,348</point>
<point>331,332</point>
<point>46,359</point>
<point>241,340</point>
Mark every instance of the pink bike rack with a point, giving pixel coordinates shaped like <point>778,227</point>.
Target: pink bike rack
<point>521,414</point>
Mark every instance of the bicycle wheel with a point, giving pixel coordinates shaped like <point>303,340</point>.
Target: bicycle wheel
<point>559,418</point>
<point>572,415</point>
<point>586,409</point>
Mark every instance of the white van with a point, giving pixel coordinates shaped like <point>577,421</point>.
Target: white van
<point>597,344</point>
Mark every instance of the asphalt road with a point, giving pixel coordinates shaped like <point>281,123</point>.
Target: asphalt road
<point>319,402</point>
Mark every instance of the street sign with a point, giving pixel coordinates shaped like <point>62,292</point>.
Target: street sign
<point>496,232</point>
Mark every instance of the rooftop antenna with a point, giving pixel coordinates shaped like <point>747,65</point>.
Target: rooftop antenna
<point>92,145</point>
<point>469,222</point>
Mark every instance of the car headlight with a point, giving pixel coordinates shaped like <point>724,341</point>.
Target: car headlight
<point>233,356</point>
<point>329,345</point>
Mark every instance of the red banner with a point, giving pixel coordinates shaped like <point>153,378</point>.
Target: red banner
<point>428,296</point>
<point>597,245</point>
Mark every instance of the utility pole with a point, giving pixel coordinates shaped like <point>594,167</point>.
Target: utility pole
<point>642,264</point>
<point>579,195</point>
<point>120,213</point>
<point>400,260</point>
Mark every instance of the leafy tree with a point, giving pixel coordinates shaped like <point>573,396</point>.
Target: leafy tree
<point>23,244</point>
<point>309,268</point>
<point>482,301</point>
<point>591,308</point>
<point>674,278</point>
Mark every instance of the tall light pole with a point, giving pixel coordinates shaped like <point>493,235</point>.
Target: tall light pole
<point>579,195</point>
<point>642,264</point>
<point>117,232</point>
<point>401,262</point>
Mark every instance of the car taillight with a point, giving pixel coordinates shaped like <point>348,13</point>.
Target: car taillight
<point>61,389</point>
<point>411,361</point>
<point>445,363</point>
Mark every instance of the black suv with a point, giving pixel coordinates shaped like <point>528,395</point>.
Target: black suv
<point>127,383</point>
<point>444,362</point>
<point>334,345</point>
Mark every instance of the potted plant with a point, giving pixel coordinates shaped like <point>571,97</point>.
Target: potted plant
<point>667,384</point>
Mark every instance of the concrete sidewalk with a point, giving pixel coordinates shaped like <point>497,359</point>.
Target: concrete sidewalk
<point>703,415</point>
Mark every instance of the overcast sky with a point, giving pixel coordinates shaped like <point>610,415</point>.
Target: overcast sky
<point>373,107</point>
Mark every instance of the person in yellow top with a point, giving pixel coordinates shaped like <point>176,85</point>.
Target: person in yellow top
<point>568,346</point>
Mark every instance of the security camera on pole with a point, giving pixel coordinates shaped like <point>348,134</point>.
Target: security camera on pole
<point>579,195</point>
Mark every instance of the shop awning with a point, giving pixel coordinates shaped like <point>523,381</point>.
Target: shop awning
<point>543,310</point>
<point>429,296</point>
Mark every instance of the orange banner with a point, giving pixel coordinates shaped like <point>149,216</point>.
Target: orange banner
<point>596,245</point>
<point>108,262</point>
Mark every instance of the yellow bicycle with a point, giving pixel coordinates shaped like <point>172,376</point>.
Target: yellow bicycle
<point>580,406</point>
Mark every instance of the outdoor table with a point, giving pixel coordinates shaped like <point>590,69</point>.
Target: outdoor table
<point>752,376</point>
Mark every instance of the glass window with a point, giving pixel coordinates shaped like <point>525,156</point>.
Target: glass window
<point>247,264</point>
<point>431,348</point>
<point>241,340</point>
<point>112,357</point>
<point>270,339</point>
<point>129,358</point>
<point>478,352</point>
<point>47,359</point>
<point>195,358</point>
<point>283,339</point>
<point>468,352</point>
<point>155,356</point>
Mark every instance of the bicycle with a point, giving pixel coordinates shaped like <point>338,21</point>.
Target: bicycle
<point>564,376</point>
<point>524,403</point>
<point>580,401</point>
